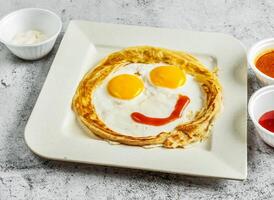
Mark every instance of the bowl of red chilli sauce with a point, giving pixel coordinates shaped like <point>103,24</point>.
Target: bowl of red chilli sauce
<point>261,112</point>
<point>261,59</point>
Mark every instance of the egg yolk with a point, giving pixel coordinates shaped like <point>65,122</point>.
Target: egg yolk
<point>168,76</point>
<point>125,86</point>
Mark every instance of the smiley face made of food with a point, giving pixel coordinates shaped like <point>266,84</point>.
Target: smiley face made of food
<point>148,96</point>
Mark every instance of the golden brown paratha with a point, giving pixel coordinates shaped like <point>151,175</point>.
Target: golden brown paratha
<point>184,134</point>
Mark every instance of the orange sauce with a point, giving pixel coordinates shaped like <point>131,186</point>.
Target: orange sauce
<point>181,103</point>
<point>265,63</point>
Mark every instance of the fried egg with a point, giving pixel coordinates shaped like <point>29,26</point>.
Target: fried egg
<point>150,89</point>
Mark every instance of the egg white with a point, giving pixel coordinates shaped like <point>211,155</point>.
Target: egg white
<point>154,101</point>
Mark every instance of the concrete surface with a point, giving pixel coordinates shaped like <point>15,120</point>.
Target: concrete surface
<point>26,176</point>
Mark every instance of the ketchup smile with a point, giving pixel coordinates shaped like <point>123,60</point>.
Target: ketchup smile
<point>181,103</point>
<point>267,121</point>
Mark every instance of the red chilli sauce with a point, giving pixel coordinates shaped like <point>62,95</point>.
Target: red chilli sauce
<point>267,121</point>
<point>181,103</point>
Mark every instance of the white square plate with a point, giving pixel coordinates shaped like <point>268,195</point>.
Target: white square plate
<point>52,131</point>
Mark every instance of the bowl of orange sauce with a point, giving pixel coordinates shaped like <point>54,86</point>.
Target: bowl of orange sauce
<point>261,60</point>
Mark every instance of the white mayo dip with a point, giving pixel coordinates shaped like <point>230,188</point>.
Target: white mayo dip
<point>29,37</point>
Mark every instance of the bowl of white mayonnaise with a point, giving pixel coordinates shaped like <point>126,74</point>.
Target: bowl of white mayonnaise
<point>30,33</point>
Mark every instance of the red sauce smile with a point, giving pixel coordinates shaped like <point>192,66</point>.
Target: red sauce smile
<point>267,121</point>
<point>265,63</point>
<point>182,102</point>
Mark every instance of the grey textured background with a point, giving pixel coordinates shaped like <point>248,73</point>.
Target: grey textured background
<point>26,176</point>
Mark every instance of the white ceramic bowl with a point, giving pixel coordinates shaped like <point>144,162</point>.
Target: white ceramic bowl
<point>30,19</point>
<point>256,50</point>
<point>261,102</point>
